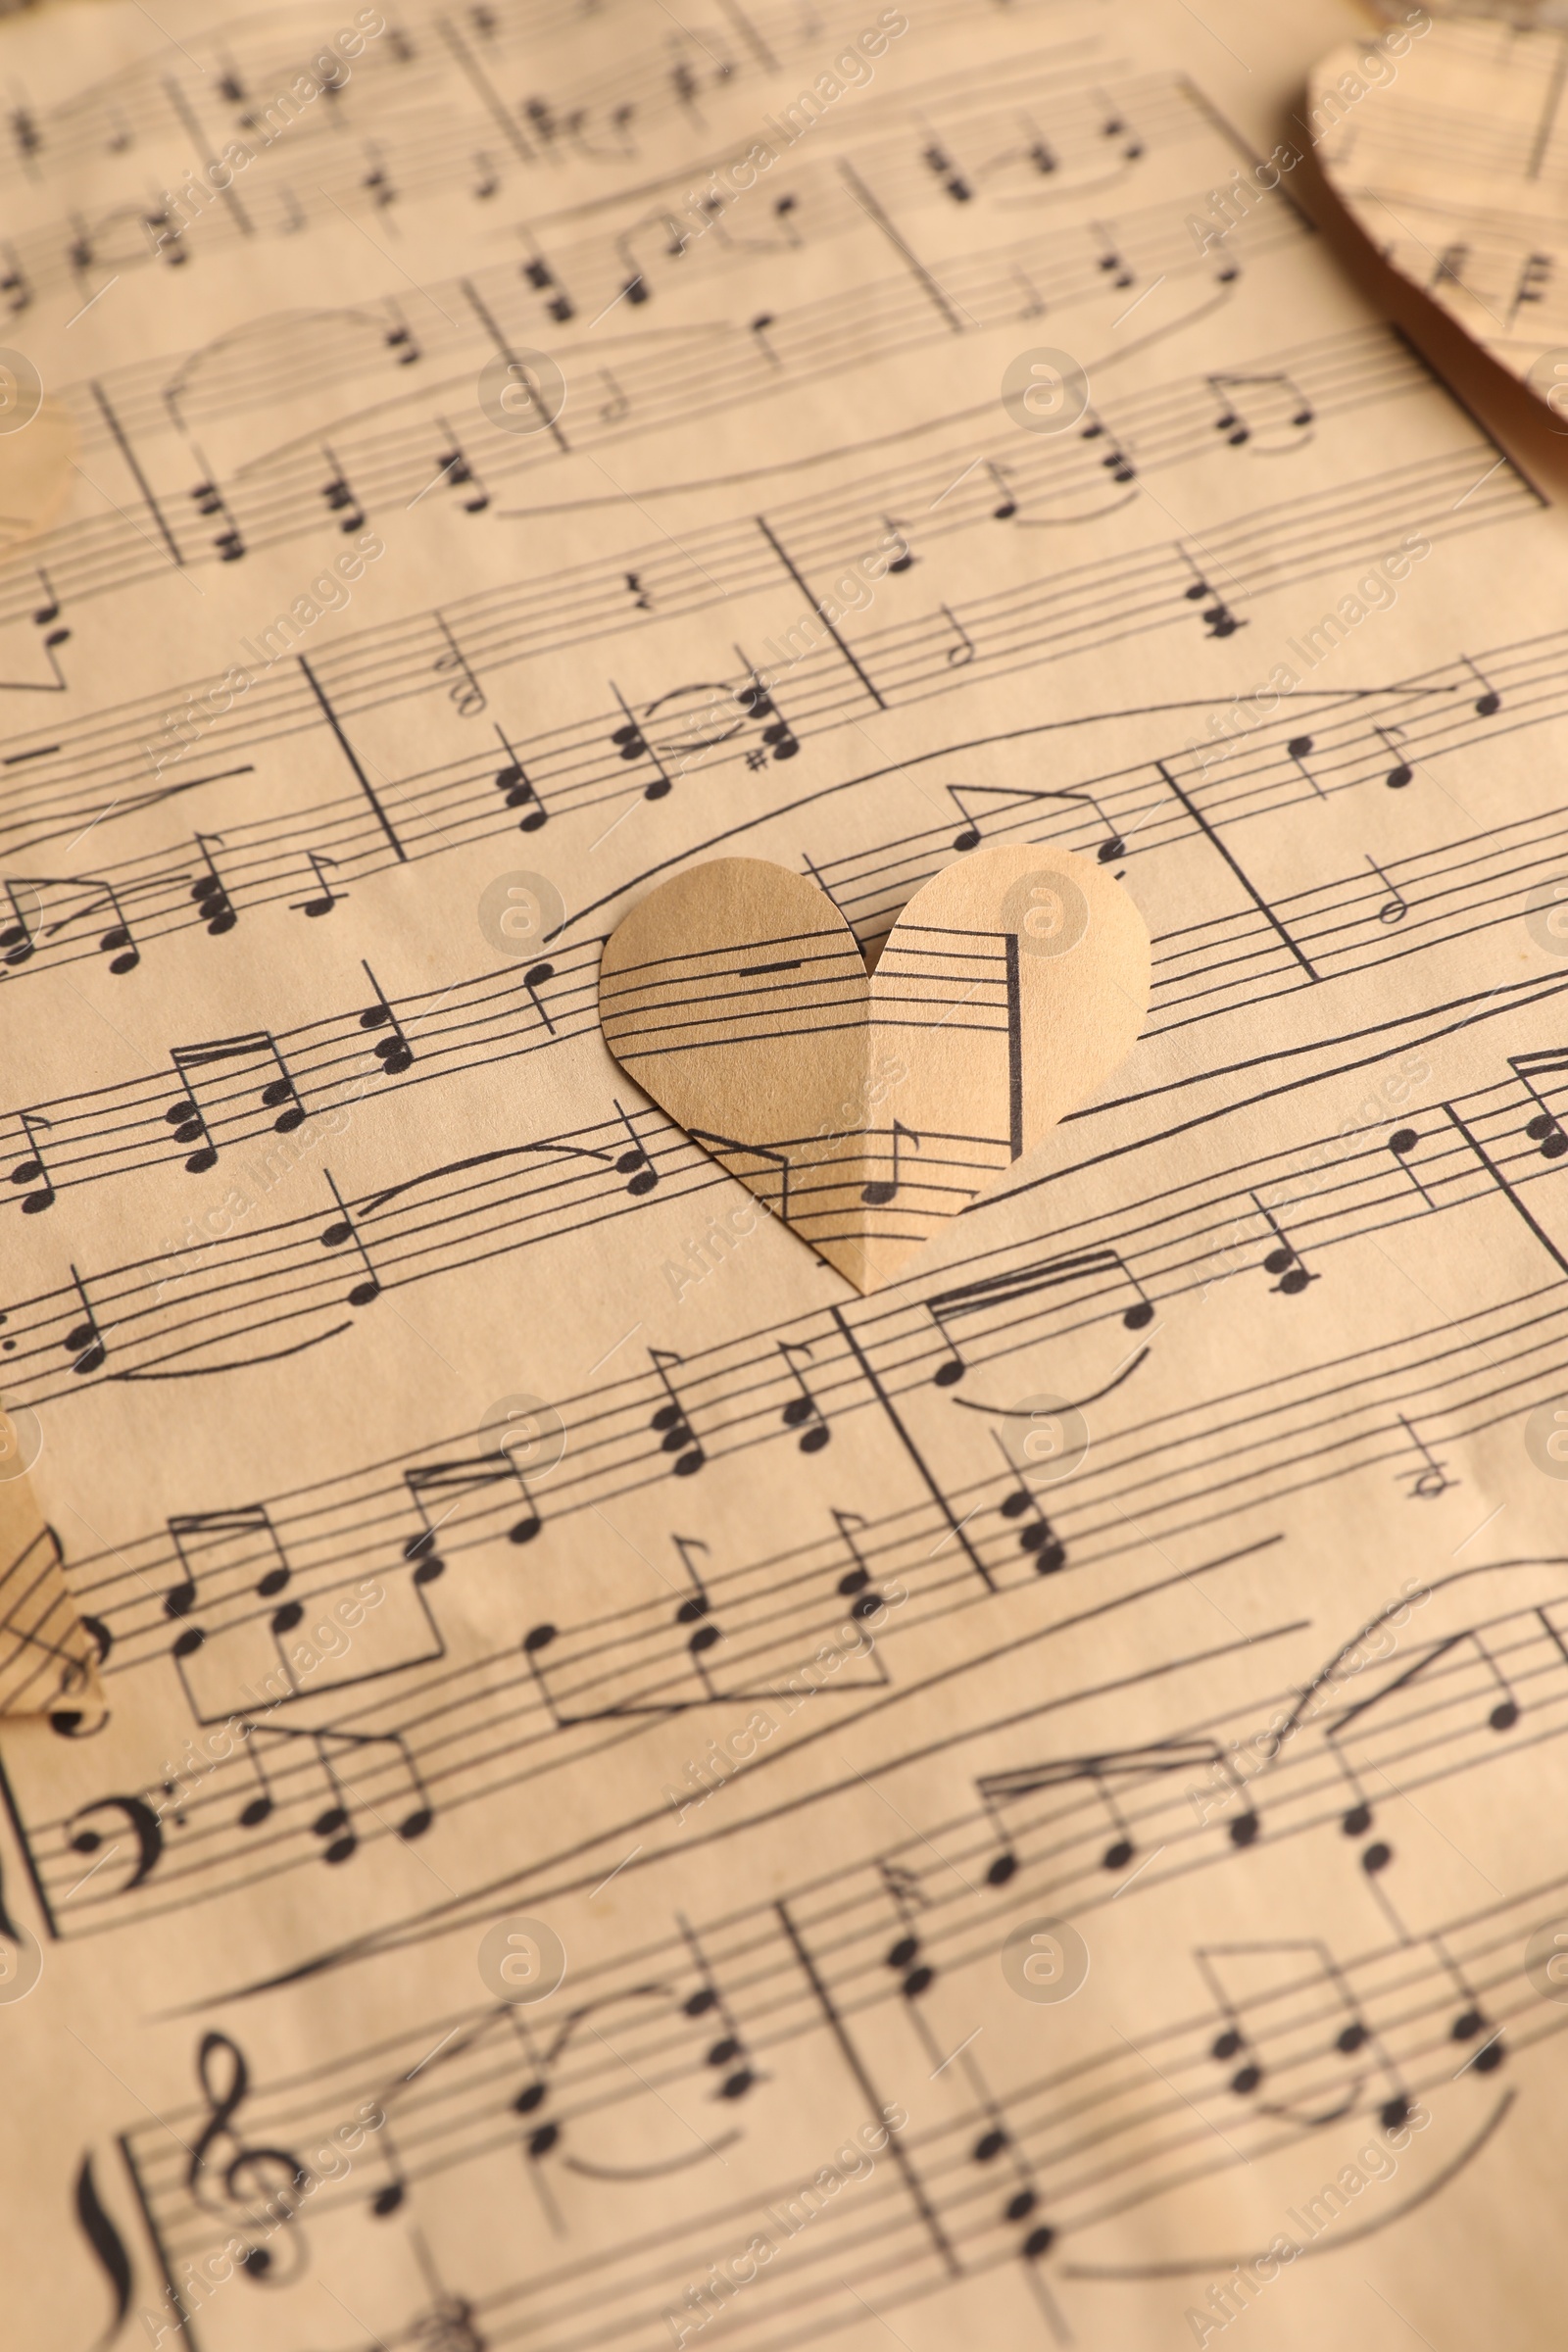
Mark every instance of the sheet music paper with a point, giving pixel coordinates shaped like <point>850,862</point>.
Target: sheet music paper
<point>612,1790</point>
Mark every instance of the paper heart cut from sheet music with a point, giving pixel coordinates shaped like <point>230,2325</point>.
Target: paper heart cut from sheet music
<point>1443,143</point>
<point>866,1109</point>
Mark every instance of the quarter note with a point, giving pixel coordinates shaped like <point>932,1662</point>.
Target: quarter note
<point>728,2054</point>
<point>84,1340</point>
<point>512,783</point>
<point>803,1412</point>
<point>1297,749</point>
<point>533,980</point>
<point>343,1229</point>
<point>636,1164</point>
<point>675,1435</point>
<point>1037,1536</point>
<point>393,1051</point>
<point>878,1193</point>
<point>32,1169</point>
<point>904,560</point>
<point>1115,461</point>
<point>632,744</point>
<point>1218,619</point>
<point>1402,1143</point>
<point>326,898</point>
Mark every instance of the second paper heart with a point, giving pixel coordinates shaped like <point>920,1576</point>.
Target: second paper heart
<point>865,1109</point>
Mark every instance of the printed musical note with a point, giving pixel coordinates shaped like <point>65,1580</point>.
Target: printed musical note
<point>803,1412</point>
<point>259,1050</point>
<point>466,692</point>
<point>32,1169</point>
<point>1297,749</point>
<point>539,275</point>
<point>14,283</point>
<point>1431,1480</point>
<point>728,2055</point>
<point>517,792</point>
<point>883,1190</point>
<point>675,1433</point>
<point>778,736</point>
<point>343,1229</point>
<point>1025,1282</point>
<point>1108,259</point>
<point>1268,413</point>
<point>960,654</point>
<point>694,1611</point>
<point>1282,1260</point>
<point>325,898</point>
<point>84,1340</point>
<point>453,467</point>
<point>234,1550</point>
<point>1160,1759</point>
<point>1489,701</point>
<point>631,742</point>
<point>1535,276</point>
<point>334,1823</point>
<point>214,906</point>
<point>1037,1536</point>
<point>1544,1127</point>
<point>952,181</point>
<point>1217,618</point>
<point>400,340</point>
<point>1008,505</point>
<point>208,498</point>
<point>462,1481</point>
<point>340,498</point>
<point>393,1051</point>
<point>1394,908</point>
<point>1115,461</point>
<point>1402,1143</point>
<point>378,182</point>
<point>1401,774</point>
<point>904,560</point>
<point>636,1164</point>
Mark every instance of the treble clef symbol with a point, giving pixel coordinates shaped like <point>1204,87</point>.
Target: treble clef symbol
<point>264,2182</point>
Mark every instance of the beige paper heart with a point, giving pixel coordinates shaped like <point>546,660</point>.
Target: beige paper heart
<point>1438,143</point>
<point>866,1110</point>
